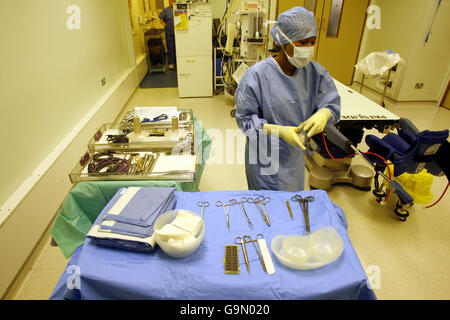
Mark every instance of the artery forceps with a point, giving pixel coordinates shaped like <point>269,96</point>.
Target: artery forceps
<point>241,241</point>
<point>303,202</point>
<point>241,205</point>
<point>203,204</point>
<point>258,204</point>
<point>225,209</point>
<point>264,200</point>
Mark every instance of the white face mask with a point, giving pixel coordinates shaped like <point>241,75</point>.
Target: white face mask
<point>302,55</point>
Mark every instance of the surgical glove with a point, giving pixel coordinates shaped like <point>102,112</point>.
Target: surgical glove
<point>316,123</point>
<point>287,133</point>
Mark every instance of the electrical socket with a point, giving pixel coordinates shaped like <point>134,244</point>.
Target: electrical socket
<point>103,82</point>
<point>419,85</point>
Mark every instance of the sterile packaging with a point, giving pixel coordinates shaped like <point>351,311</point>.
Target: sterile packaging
<point>183,243</point>
<point>377,64</point>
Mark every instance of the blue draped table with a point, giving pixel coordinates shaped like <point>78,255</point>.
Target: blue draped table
<point>96,272</point>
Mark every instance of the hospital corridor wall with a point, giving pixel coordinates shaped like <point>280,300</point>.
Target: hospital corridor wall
<point>403,28</point>
<point>67,68</point>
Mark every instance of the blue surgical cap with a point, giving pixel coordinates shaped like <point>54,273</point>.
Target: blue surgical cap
<point>296,23</point>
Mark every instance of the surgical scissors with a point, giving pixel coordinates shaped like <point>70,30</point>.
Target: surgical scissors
<point>303,202</point>
<point>203,204</point>
<point>241,241</point>
<point>258,203</point>
<point>241,205</point>
<point>225,209</point>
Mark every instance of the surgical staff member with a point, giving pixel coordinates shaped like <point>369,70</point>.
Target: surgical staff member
<point>281,97</point>
<point>166,19</point>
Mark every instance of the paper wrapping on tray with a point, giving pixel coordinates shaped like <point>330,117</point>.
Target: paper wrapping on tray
<point>175,163</point>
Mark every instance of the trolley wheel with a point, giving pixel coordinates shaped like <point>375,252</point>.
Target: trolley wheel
<point>233,113</point>
<point>402,214</point>
<point>379,195</point>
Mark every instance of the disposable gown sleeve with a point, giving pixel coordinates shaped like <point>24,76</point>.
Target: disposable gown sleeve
<point>328,97</point>
<point>248,107</point>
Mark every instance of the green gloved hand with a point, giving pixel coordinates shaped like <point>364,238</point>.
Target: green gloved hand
<point>316,123</point>
<point>287,133</point>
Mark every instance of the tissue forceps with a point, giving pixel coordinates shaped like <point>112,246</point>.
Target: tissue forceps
<point>241,205</point>
<point>241,241</point>
<point>203,204</point>
<point>303,202</point>
<point>225,209</point>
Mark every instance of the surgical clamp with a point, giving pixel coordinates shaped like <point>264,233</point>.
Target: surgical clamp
<point>203,204</point>
<point>241,241</point>
<point>264,200</point>
<point>241,205</point>
<point>303,202</point>
<point>225,209</point>
<point>258,203</point>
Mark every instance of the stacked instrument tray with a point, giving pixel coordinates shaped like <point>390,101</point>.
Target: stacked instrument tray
<point>139,160</point>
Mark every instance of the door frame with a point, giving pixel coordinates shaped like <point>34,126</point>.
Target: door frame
<point>444,96</point>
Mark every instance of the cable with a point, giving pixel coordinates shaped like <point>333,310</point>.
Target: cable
<point>220,26</point>
<point>439,197</point>
<point>341,159</point>
<point>106,160</point>
<point>328,151</point>
<point>226,71</point>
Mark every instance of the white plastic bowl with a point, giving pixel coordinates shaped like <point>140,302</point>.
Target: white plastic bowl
<point>326,242</point>
<point>175,251</point>
<point>320,255</point>
<point>297,248</point>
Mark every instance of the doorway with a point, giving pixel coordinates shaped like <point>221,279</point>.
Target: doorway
<point>149,42</point>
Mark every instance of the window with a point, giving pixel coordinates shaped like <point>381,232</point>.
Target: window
<point>335,18</point>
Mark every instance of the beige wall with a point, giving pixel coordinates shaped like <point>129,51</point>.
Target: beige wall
<point>404,25</point>
<point>139,12</point>
<point>52,100</point>
<point>429,62</point>
<point>51,76</point>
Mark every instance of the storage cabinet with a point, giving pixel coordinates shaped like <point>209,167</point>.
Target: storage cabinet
<point>194,50</point>
<point>194,76</point>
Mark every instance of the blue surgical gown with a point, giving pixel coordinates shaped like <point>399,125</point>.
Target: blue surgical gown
<point>267,95</point>
<point>167,16</point>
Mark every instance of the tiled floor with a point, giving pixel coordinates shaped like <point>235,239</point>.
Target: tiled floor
<point>411,257</point>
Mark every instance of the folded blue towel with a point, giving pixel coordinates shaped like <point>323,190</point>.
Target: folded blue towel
<point>136,230</point>
<point>143,206</point>
<point>134,219</point>
<point>129,245</point>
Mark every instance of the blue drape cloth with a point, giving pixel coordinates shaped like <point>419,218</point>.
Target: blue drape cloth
<point>136,218</point>
<point>107,273</point>
<point>146,202</point>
